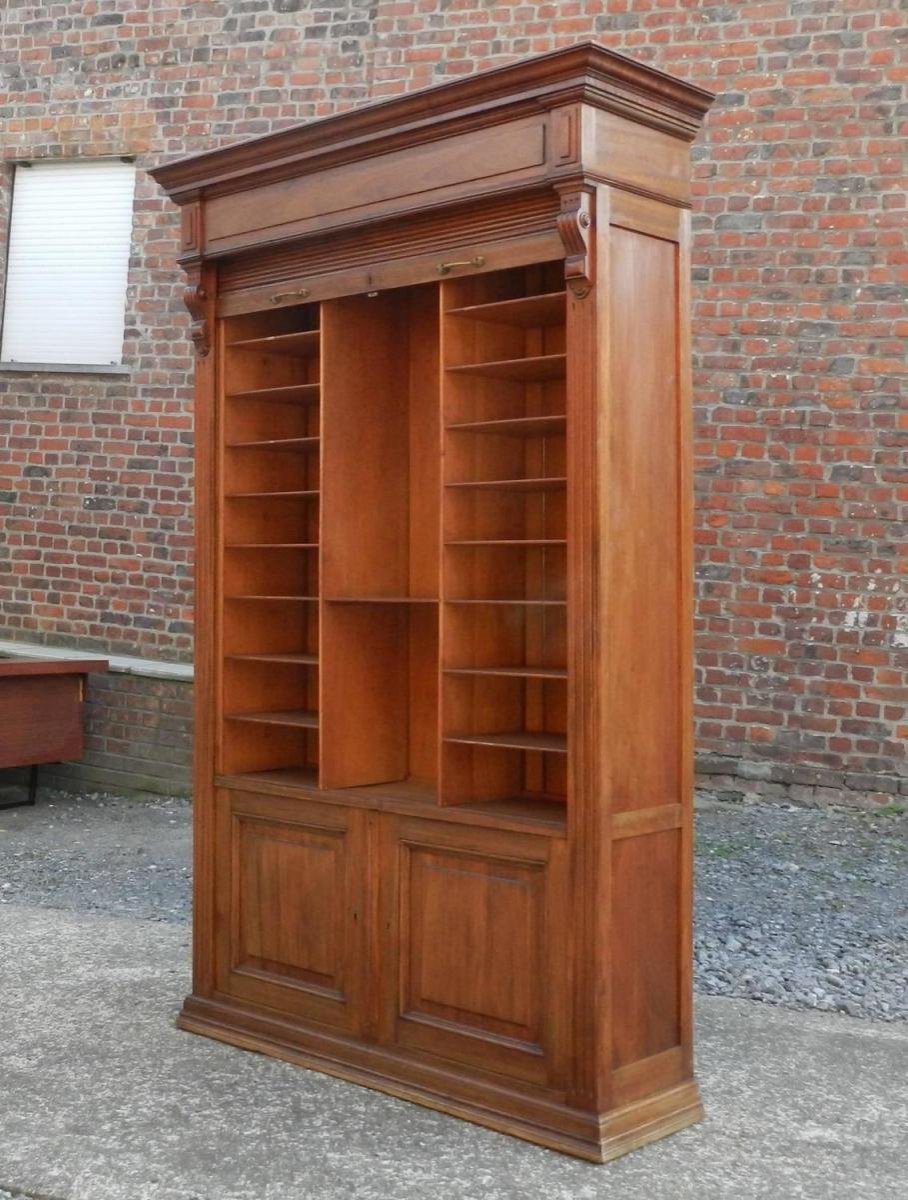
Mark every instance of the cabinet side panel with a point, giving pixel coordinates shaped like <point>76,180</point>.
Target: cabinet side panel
<point>645,560</point>
<point>645,956</point>
<point>648,694</point>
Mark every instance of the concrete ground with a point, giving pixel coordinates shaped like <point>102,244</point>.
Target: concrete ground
<point>101,1098</point>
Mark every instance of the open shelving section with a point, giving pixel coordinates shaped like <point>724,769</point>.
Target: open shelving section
<point>504,533</point>
<point>270,540</point>
<point>395,542</point>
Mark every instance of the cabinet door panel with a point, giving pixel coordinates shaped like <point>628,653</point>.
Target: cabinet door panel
<point>475,925</point>
<point>290,898</point>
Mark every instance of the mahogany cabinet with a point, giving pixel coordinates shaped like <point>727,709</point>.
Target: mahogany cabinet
<point>443,768</point>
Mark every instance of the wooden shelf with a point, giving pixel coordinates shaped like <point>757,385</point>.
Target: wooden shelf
<point>409,798</point>
<point>547,484</point>
<point>529,603</point>
<point>511,672</point>
<point>300,345</point>
<point>514,426</point>
<point>293,393</point>
<point>294,719</point>
<point>528,370</point>
<point>518,542</point>
<point>411,791</point>
<point>275,599</point>
<point>530,312</point>
<point>548,743</point>
<point>284,780</point>
<point>271,495</point>
<point>305,660</point>
<point>381,599</point>
<point>299,445</point>
<point>271,546</point>
<point>548,812</point>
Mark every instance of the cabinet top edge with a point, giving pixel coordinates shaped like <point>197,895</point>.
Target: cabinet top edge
<point>583,73</point>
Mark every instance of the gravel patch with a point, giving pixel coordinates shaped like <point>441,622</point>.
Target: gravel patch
<point>805,908</point>
<point>99,853</point>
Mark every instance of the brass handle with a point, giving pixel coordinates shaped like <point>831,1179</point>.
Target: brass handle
<point>299,294</point>
<point>446,267</point>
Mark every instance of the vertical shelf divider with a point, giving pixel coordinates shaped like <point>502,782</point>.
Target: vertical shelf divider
<point>380,546</point>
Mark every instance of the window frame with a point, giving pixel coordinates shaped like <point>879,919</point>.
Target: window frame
<point>23,367</point>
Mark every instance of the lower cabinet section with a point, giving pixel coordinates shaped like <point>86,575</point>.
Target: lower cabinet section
<point>432,959</point>
<point>437,939</point>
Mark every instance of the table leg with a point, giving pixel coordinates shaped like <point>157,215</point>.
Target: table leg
<point>32,791</point>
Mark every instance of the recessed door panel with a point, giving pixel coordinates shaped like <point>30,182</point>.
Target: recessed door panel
<point>474,928</point>
<point>300,870</point>
<point>291,907</point>
<point>475,922</point>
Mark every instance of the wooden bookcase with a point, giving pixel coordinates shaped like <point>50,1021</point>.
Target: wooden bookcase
<point>443,766</point>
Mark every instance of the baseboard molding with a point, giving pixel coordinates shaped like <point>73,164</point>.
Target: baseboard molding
<point>548,1123</point>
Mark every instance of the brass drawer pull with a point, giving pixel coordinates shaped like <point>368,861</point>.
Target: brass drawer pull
<point>445,267</point>
<point>299,294</point>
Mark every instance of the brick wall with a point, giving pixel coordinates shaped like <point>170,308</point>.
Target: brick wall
<point>800,210</point>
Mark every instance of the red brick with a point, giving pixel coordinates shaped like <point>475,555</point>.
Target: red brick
<point>799,365</point>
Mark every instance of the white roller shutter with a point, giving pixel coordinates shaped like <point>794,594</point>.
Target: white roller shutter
<point>67,263</point>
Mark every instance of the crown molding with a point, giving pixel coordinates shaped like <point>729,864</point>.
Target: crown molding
<point>585,73</point>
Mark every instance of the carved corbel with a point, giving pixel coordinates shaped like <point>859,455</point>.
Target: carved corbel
<point>575,225</point>
<point>195,297</point>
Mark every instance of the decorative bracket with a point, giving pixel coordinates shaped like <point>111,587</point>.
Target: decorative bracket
<point>195,297</point>
<point>575,224</point>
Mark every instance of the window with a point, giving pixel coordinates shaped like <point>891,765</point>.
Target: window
<point>67,263</point>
